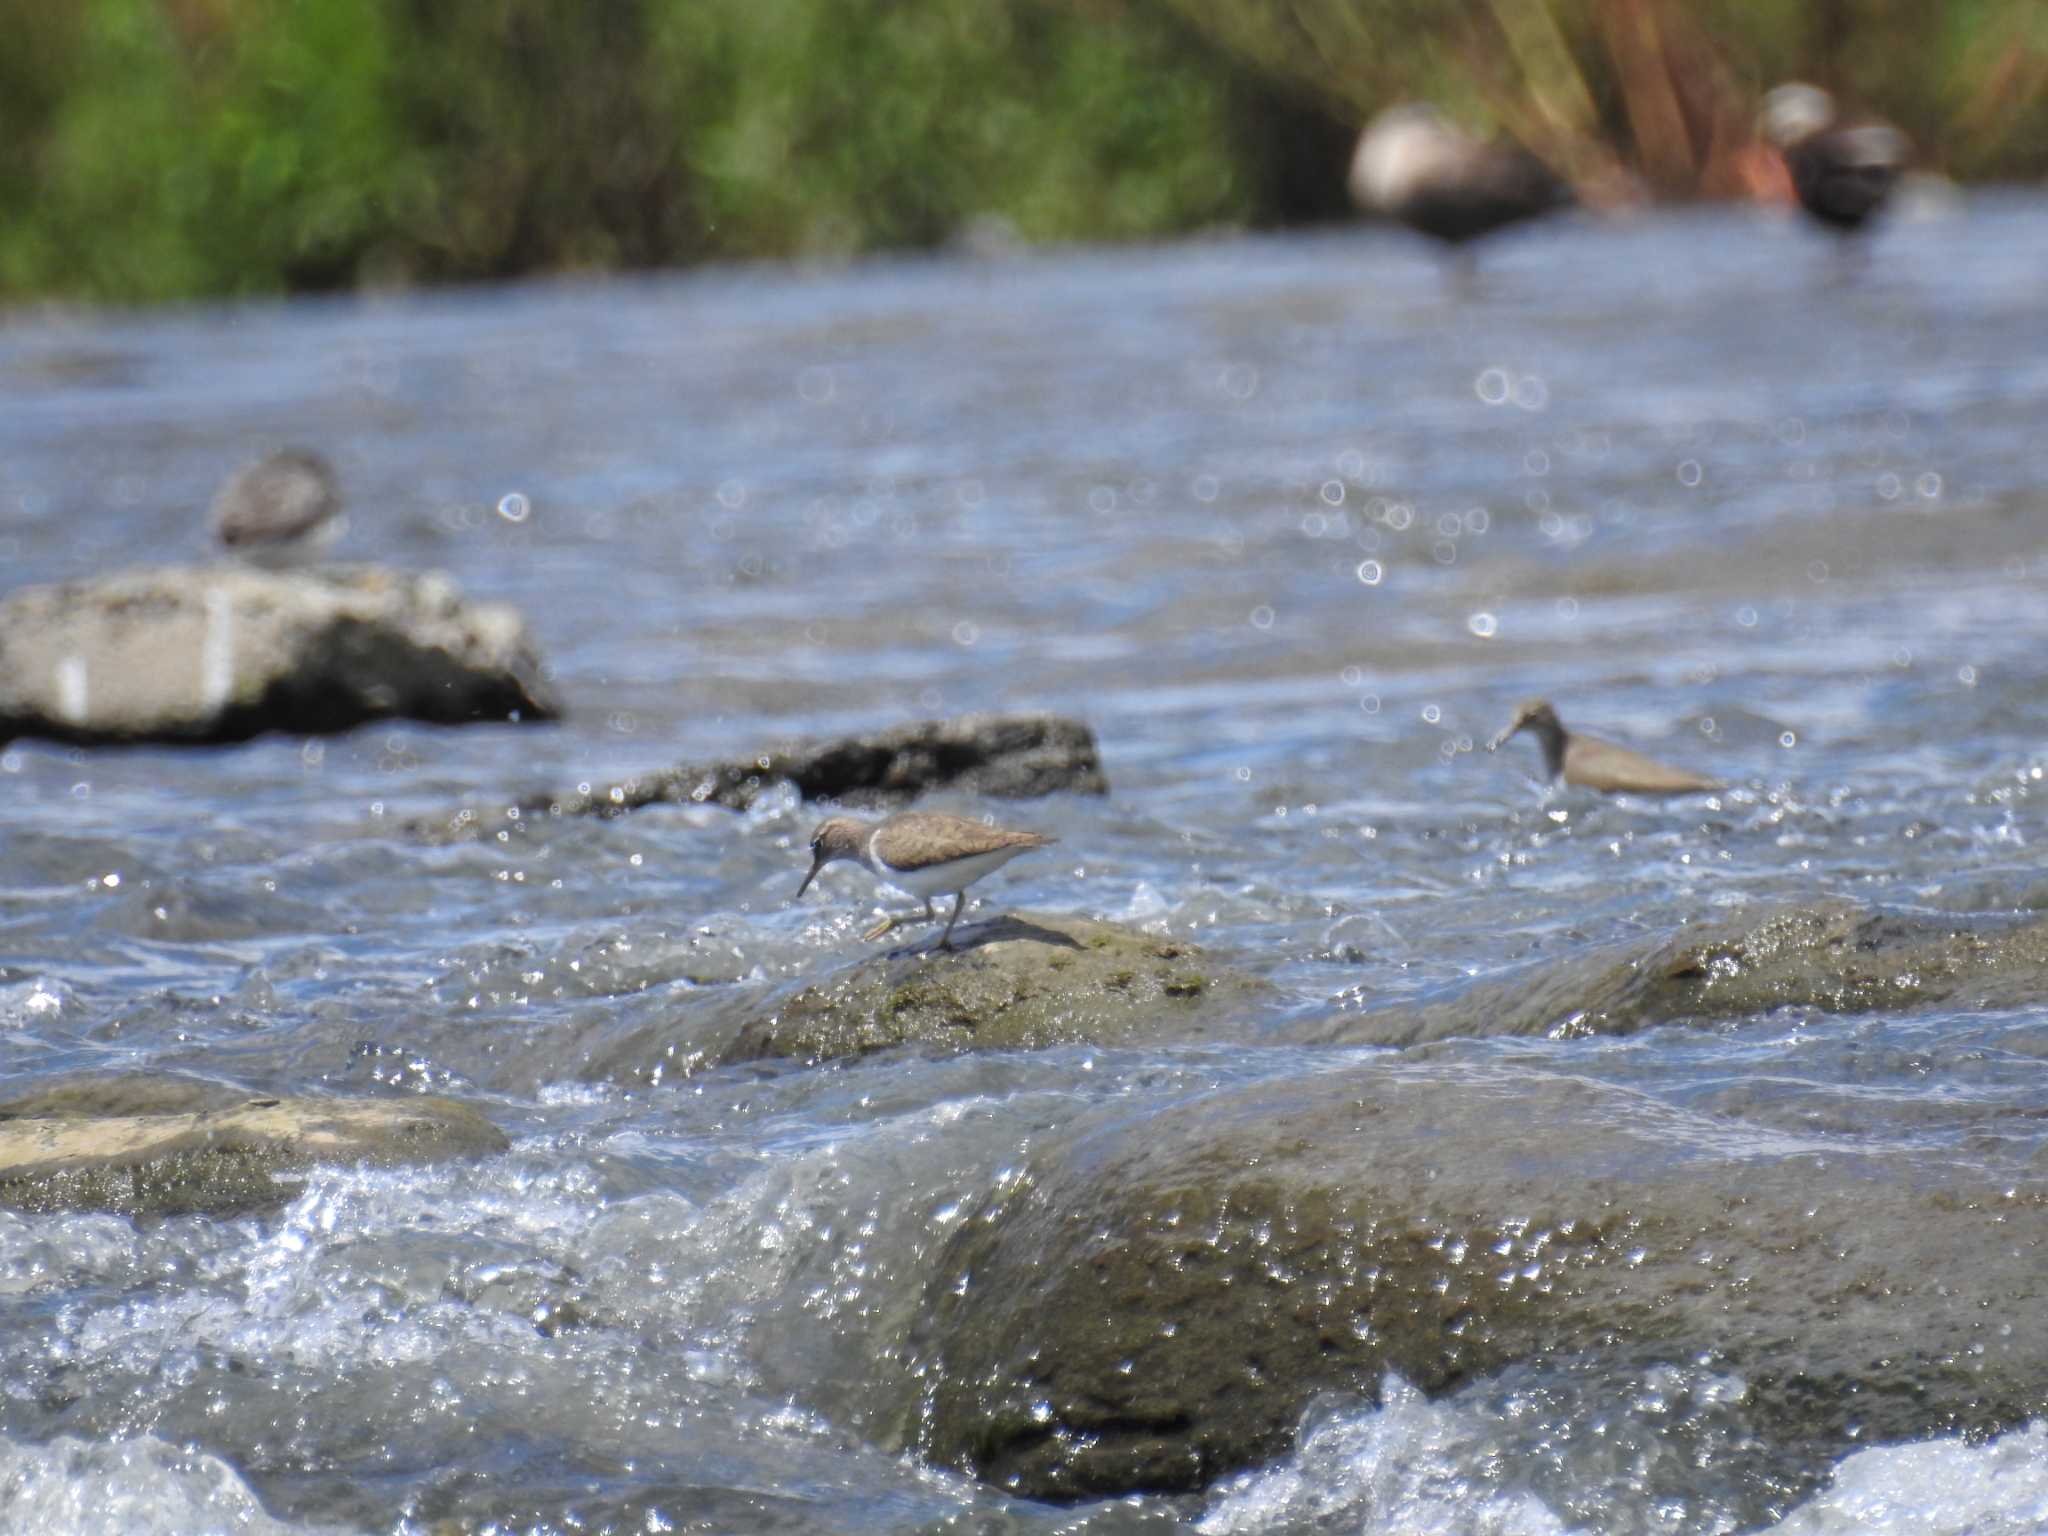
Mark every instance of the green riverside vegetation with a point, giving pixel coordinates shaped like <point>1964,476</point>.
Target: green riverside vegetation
<point>169,149</point>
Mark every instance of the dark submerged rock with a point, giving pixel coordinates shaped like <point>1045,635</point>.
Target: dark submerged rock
<point>1015,757</point>
<point>127,1145</point>
<point>224,652</point>
<point>1160,1299</point>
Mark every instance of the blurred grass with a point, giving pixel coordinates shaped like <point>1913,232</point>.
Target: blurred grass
<point>1662,93</point>
<point>160,149</point>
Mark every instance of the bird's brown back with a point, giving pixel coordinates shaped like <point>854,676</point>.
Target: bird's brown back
<point>285,496</point>
<point>1591,763</point>
<point>920,839</point>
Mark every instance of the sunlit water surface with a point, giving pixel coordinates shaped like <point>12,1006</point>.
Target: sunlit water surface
<point>1288,526</point>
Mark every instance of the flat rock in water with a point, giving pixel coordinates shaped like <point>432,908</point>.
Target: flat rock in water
<point>224,652</point>
<point>1015,757</point>
<point>112,1094</point>
<point>1024,981</point>
<point>1160,1298</point>
<point>1831,956</point>
<point>60,1150</point>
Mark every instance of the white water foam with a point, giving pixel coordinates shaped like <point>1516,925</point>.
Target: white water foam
<point>1412,1465</point>
<point>136,1487</point>
<point>1934,1488</point>
<point>1409,1465</point>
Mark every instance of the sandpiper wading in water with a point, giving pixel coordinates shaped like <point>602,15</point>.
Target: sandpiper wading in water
<point>926,853</point>
<point>1842,172</point>
<point>1413,166</point>
<point>1589,763</point>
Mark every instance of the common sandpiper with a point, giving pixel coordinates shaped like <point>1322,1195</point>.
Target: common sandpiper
<point>1842,171</point>
<point>1590,763</point>
<point>1412,165</point>
<point>926,853</point>
<point>281,511</point>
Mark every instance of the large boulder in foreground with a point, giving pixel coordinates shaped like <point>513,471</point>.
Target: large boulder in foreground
<point>1160,1297</point>
<point>224,652</point>
<point>1022,982</point>
<point>157,1146</point>
<point>1015,757</point>
<point>1829,957</point>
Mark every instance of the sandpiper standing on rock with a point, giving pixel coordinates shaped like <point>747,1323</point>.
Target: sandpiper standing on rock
<point>1589,763</point>
<point>926,853</point>
<point>280,511</point>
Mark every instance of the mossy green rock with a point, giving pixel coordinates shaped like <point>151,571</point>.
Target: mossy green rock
<point>1831,957</point>
<point>1022,982</point>
<point>57,1152</point>
<point>1160,1299</point>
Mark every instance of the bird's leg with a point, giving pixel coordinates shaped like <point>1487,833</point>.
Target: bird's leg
<point>892,922</point>
<point>946,938</point>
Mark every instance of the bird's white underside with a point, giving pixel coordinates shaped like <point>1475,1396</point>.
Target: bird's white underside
<point>292,554</point>
<point>938,879</point>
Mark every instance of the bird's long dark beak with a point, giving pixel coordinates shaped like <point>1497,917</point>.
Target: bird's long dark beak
<point>815,867</point>
<point>1501,740</point>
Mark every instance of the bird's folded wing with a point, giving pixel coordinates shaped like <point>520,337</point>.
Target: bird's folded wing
<point>920,839</point>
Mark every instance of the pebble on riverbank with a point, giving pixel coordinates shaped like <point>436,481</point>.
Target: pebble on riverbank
<point>224,652</point>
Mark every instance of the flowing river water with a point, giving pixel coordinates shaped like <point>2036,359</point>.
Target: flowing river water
<point>1293,528</point>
